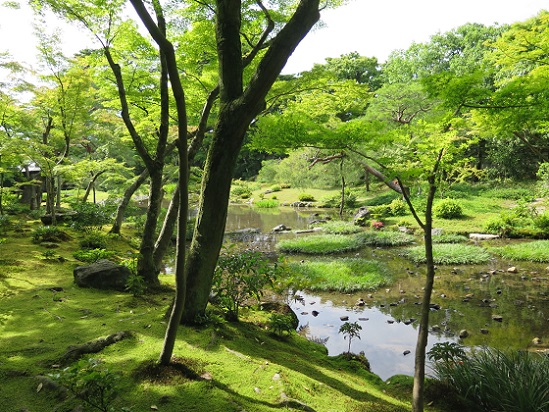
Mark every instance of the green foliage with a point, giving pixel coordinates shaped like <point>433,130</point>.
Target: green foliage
<point>543,179</point>
<point>536,251</point>
<point>447,352</point>
<point>306,197</point>
<point>448,209</point>
<point>398,207</point>
<point>91,382</point>
<point>383,199</point>
<point>495,380</point>
<point>542,222</point>
<point>275,188</point>
<point>241,190</point>
<point>49,234</point>
<point>5,223</point>
<point>350,331</point>
<point>281,324</point>
<point>385,238</point>
<point>93,255</point>
<point>350,201</point>
<point>345,275</point>
<point>340,227</point>
<point>50,256</point>
<point>266,203</point>
<point>92,215</point>
<point>240,276</point>
<point>320,244</point>
<point>450,254</point>
<point>136,285</point>
<point>94,240</point>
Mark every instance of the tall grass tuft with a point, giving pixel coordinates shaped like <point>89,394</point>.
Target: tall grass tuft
<point>495,380</point>
<point>340,227</point>
<point>385,238</point>
<point>537,251</point>
<point>320,245</point>
<point>345,275</point>
<point>450,254</point>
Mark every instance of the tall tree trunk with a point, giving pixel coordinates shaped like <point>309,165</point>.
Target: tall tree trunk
<point>237,109</point>
<point>164,239</point>
<point>91,185</point>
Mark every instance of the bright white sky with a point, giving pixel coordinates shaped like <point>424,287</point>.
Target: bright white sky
<point>373,28</point>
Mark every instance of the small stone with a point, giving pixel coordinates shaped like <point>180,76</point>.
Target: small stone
<point>406,352</point>
<point>257,390</point>
<point>344,318</point>
<point>390,321</point>
<point>315,313</point>
<point>512,269</point>
<point>484,331</point>
<point>497,318</point>
<point>463,333</point>
<point>537,341</point>
<point>276,377</point>
<point>360,302</point>
<point>363,319</point>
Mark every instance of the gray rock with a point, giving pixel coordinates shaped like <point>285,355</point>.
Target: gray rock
<point>102,274</point>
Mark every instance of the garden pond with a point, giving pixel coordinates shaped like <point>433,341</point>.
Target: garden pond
<point>487,305</point>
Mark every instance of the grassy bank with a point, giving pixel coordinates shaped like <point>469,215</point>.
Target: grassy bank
<point>221,367</point>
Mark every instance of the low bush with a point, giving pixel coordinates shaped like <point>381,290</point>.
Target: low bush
<point>281,324</point>
<point>306,197</point>
<point>49,234</point>
<point>92,215</point>
<point>448,209</point>
<point>450,254</point>
<point>495,380</point>
<point>449,238</point>
<point>94,240</point>
<point>93,255</point>
<point>320,244</point>
<point>398,207</point>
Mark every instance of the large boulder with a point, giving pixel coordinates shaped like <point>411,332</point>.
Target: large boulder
<point>361,216</point>
<point>102,274</point>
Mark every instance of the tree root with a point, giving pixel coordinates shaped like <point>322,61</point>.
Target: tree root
<point>75,352</point>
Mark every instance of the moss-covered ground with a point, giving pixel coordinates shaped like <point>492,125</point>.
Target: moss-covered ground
<point>222,366</point>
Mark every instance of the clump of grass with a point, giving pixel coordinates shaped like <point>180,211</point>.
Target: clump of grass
<point>449,238</point>
<point>537,251</point>
<point>320,244</point>
<point>93,255</point>
<point>266,203</point>
<point>499,381</point>
<point>340,227</point>
<point>343,275</point>
<point>385,238</point>
<point>450,254</point>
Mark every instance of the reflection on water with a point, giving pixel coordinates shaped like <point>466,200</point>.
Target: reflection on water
<point>468,296</point>
<point>383,339</point>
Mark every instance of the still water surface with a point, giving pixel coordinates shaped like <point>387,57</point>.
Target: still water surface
<point>468,299</point>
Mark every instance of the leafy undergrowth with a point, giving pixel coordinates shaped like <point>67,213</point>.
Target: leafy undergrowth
<point>450,254</point>
<point>536,251</point>
<point>219,367</point>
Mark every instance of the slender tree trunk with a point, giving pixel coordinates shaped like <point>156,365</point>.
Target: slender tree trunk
<point>367,179</point>
<point>126,198</point>
<point>423,332</point>
<point>342,204</point>
<point>91,185</point>
<point>146,266</point>
<point>166,233</point>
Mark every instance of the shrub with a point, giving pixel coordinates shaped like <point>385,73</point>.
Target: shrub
<point>93,255</point>
<point>542,222</point>
<point>495,380</point>
<point>92,215</point>
<point>49,234</point>
<point>240,190</point>
<point>398,207</point>
<point>90,381</point>
<point>306,197</point>
<point>275,188</point>
<point>4,223</point>
<point>448,209</point>
<point>281,324</point>
<point>376,224</point>
<point>94,240</point>
<point>240,276</point>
